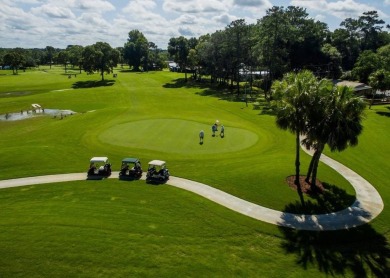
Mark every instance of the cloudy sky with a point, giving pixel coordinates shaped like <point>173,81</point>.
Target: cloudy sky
<point>58,23</point>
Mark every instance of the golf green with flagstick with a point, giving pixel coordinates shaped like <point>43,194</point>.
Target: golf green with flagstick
<point>177,136</point>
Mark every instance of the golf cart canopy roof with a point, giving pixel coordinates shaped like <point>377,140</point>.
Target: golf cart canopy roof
<point>99,159</point>
<point>157,162</point>
<point>130,160</point>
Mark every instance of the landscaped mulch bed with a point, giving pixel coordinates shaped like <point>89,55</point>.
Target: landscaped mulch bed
<point>305,186</point>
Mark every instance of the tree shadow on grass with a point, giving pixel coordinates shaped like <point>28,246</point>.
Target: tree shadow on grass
<point>266,110</point>
<point>361,250</point>
<point>92,84</point>
<point>332,199</point>
<point>263,106</point>
<point>220,91</point>
<point>260,104</point>
<point>384,113</point>
<point>190,83</point>
<point>222,94</point>
<point>126,70</point>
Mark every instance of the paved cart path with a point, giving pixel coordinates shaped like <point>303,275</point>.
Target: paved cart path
<point>367,206</point>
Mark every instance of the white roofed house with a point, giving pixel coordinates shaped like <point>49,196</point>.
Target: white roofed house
<point>367,92</point>
<point>360,89</point>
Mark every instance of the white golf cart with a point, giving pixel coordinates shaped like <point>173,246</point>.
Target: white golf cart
<point>157,171</point>
<point>99,166</point>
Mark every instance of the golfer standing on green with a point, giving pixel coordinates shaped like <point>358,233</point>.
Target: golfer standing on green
<point>201,136</point>
<point>222,133</point>
<point>214,129</point>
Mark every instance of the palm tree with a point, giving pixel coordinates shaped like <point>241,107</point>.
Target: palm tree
<point>335,120</point>
<point>316,126</point>
<point>292,96</point>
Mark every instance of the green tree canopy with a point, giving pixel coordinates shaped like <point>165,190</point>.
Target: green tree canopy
<point>358,35</point>
<point>75,55</point>
<point>136,49</point>
<point>63,58</point>
<point>273,36</point>
<point>384,56</point>
<point>380,80</point>
<point>288,39</point>
<point>347,44</point>
<point>14,59</point>
<point>367,63</point>
<point>100,57</point>
<point>333,59</point>
<point>371,27</point>
<point>179,48</point>
<point>50,54</point>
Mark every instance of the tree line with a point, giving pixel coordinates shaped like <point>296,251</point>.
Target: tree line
<point>284,40</point>
<point>100,57</point>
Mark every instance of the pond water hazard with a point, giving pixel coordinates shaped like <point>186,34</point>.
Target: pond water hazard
<point>27,114</point>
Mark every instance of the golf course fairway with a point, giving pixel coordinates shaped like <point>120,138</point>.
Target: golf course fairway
<point>120,228</point>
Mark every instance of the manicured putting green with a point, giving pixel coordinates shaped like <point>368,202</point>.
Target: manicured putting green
<point>177,136</point>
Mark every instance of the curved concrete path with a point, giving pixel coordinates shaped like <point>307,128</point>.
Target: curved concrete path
<point>367,206</point>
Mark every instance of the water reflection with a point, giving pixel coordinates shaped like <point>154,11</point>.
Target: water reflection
<point>27,114</point>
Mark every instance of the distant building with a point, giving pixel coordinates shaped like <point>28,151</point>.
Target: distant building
<point>360,89</point>
<point>256,74</point>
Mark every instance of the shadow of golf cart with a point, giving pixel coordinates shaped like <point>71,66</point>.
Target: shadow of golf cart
<point>99,168</point>
<point>130,169</point>
<point>157,172</point>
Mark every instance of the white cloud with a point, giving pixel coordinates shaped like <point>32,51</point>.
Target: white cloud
<point>320,17</point>
<point>196,6</point>
<point>99,6</point>
<point>37,23</point>
<point>28,1</point>
<point>140,5</point>
<point>186,19</point>
<point>186,32</point>
<point>139,10</point>
<point>255,7</point>
<point>342,9</point>
<point>94,20</point>
<point>225,18</point>
<point>53,11</point>
<point>252,3</point>
<point>14,18</point>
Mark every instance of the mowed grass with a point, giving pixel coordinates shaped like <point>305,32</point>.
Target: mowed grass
<point>120,229</point>
<point>254,154</point>
<point>370,157</point>
<point>114,228</point>
<point>184,135</point>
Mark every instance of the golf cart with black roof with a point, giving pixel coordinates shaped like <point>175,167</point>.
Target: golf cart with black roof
<point>99,166</point>
<point>157,171</point>
<point>131,168</point>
